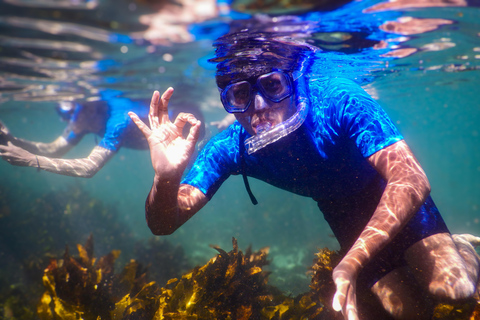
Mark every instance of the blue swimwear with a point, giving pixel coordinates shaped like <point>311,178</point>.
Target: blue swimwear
<point>325,159</point>
<point>109,120</point>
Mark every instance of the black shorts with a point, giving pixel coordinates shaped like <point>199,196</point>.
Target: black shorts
<point>349,216</point>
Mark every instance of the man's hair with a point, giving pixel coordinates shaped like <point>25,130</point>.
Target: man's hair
<point>251,52</point>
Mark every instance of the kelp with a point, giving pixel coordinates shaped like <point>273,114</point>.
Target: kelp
<point>232,285</point>
<point>87,288</point>
<point>35,229</point>
<point>464,311</point>
<point>322,287</point>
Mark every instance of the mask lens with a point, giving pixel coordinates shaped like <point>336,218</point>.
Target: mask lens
<point>275,86</point>
<point>237,96</point>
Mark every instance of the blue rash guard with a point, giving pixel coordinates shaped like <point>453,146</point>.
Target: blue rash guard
<point>109,120</point>
<point>325,159</point>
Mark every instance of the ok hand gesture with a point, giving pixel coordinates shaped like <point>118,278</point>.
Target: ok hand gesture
<point>169,151</point>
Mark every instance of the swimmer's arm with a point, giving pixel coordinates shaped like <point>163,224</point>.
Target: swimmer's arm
<point>56,148</point>
<point>169,205</point>
<point>85,167</point>
<point>407,189</point>
<point>82,168</point>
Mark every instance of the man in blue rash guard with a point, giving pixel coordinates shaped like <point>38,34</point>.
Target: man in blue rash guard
<point>105,118</point>
<point>325,138</point>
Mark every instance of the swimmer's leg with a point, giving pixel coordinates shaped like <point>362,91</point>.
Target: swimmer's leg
<point>447,271</point>
<point>402,297</point>
<point>466,244</point>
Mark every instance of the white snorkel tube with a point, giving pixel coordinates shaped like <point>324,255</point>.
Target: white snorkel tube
<point>263,139</point>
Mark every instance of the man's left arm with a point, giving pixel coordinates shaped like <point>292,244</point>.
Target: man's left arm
<point>407,189</point>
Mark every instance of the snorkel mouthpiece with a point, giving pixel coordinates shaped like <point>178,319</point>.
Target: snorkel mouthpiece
<point>263,127</point>
<point>268,134</point>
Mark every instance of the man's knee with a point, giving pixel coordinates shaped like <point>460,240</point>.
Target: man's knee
<point>439,266</point>
<point>455,285</point>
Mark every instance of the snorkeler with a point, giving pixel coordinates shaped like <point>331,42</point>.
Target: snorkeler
<point>325,138</point>
<point>105,118</point>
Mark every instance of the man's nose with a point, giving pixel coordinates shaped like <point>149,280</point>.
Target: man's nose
<point>260,102</point>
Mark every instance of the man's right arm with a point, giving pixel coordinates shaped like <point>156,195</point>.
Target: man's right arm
<point>168,206</point>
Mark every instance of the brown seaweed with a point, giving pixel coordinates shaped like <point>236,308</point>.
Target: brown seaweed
<point>232,285</point>
<point>87,288</point>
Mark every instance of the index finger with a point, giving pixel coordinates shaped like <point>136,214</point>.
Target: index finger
<point>163,106</point>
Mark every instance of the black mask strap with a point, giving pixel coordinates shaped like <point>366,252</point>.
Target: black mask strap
<point>242,163</point>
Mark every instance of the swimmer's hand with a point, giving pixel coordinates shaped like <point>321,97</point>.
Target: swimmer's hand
<point>169,151</point>
<point>345,298</point>
<point>17,156</point>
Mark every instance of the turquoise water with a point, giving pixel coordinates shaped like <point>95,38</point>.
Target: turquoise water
<point>432,95</point>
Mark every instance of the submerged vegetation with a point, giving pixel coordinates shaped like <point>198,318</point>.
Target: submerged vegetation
<point>155,281</point>
<point>232,285</point>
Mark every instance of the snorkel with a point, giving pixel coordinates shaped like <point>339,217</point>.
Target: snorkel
<point>275,133</point>
<point>66,110</point>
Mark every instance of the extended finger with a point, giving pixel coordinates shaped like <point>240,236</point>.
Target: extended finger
<point>163,106</point>
<point>153,113</point>
<point>140,124</point>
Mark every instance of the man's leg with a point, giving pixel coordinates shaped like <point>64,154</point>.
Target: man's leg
<point>402,297</point>
<point>448,271</point>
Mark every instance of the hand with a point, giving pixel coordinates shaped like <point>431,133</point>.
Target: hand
<point>345,298</point>
<point>17,156</point>
<point>169,151</point>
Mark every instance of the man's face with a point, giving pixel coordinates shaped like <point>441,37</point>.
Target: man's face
<point>262,102</point>
<point>264,113</point>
